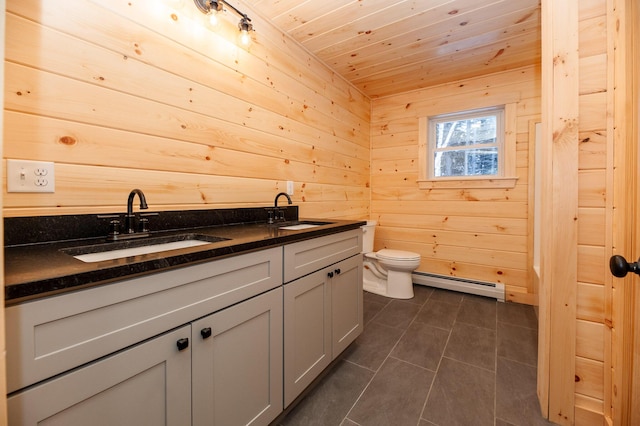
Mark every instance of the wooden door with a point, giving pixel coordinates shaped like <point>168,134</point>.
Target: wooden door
<point>626,294</point>
<point>635,46</point>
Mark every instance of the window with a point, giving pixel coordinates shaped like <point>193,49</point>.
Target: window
<point>466,144</point>
<point>474,148</point>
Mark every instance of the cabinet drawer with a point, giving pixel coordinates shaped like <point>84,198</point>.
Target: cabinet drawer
<point>147,384</point>
<point>307,256</point>
<point>49,336</point>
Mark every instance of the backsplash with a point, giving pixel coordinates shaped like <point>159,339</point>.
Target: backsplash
<point>42,229</point>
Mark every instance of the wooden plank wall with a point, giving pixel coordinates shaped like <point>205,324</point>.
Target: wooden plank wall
<point>126,94</point>
<point>575,305</point>
<point>595,205</point>
<point>479,234</point>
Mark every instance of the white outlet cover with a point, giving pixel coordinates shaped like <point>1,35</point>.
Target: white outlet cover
<point>30,176</point>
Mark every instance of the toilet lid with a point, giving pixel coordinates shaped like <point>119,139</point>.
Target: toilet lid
<point>397,255</point>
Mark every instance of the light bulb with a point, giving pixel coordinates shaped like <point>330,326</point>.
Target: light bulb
<point>245,37</point>
<point>213,18</point>
<point>245,26</point>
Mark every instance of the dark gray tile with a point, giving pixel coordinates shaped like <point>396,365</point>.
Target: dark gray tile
<point>438,314</point>
<point>422,345</point>
<point>465,390</point>
<point>374,344</point>
<point>473,345</point>
<point>518,343</point>
<point>371,308</point>
<point>516,398</point>
<point>376,298</point>
<point>330,401</point>
<point>421,294</point>
<point>398,313</point>
<point>462,394</point>
<point>478,311</point>
<point>517,314</point>
<point>395,396</point>
<point>500,422</point>
<point>446,296</point>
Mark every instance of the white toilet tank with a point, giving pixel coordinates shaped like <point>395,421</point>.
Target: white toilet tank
<point>368,231</point>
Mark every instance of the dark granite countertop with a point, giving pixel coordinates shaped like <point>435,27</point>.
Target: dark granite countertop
<point>41,268</point>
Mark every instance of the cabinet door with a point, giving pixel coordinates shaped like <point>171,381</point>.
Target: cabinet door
<point>237,363</point>
<point>148,384</point>
<point>307,331</point>
<point>346,303</point>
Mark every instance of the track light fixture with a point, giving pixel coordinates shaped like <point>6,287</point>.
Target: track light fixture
<point>213,7</point>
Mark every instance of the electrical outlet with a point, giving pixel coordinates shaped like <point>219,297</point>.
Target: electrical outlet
<point>290,187</point>
<point>30,176</point>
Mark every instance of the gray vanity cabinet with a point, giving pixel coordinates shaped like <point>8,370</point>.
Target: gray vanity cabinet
<point>203,344</point>
<point>237,363</point>
<point>147,384</point>
<point>322,309</point>
<point>109,354</point>
<point>307,330</point>
<point>346,304</point>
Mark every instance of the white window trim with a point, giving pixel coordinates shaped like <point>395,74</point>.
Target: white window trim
<point>508,179</point>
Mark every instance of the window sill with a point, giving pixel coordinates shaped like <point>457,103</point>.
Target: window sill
<point>471,182</point>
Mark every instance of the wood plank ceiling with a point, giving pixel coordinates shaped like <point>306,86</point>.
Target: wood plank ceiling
<point>386,47</point>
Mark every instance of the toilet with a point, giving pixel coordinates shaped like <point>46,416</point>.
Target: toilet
<point>387,272</point>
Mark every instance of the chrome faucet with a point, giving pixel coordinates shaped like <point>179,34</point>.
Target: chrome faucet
<point>130,218</point>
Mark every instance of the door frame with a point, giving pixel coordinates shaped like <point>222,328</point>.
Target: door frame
<point>625,344</point>
<point>3,352</point>
<point>634,141</point>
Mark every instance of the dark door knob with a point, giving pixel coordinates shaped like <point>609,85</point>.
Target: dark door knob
<point>330,274</point>
<point>338,271</point>
<point>619,266</point>
<point>182,344</point>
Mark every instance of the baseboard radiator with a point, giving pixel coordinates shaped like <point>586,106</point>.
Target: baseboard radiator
<point>462,285</point>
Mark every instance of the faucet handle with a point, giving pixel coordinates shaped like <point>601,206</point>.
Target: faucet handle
<point>114,229</point>
<point>143,224</point>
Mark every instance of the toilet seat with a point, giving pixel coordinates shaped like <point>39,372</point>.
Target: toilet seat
<point>390,254</point>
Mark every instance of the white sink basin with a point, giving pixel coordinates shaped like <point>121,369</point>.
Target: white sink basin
<point>135,251</point>
<point>298,227</point>
<point>128,247</point>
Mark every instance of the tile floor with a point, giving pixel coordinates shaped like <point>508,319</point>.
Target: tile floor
<point>442,358</point>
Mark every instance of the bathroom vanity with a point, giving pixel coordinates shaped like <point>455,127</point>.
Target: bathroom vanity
<point>322,305</point>
<point>199,343</point>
